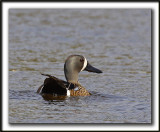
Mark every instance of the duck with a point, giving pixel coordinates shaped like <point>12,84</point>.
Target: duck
<point>54,86</point>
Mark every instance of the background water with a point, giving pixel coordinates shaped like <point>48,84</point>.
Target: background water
<point>117,41</point>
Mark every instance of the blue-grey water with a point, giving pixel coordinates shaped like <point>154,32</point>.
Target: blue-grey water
<point>117,41</point>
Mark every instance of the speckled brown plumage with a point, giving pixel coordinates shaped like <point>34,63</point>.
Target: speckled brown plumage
<point>80,92</point>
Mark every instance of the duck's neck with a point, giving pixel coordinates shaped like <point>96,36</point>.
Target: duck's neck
<point>72,77</point>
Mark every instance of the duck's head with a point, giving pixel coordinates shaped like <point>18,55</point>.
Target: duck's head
<point>74,64</point>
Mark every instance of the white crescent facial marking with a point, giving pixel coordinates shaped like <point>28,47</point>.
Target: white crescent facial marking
<point>84,64</point>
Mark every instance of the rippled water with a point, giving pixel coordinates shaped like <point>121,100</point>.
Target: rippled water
<point>117,41</point>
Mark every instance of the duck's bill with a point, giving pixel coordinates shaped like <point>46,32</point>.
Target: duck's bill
<point>90,68</point>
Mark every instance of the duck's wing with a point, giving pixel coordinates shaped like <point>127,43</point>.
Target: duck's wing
<point>52,85</point>
<point>62,82</point>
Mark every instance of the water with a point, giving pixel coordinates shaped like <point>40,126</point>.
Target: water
<point>117,41</point>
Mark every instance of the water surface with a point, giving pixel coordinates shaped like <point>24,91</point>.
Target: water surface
<point>117,41</point>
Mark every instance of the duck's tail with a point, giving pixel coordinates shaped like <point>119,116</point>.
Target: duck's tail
<point>40,89</point>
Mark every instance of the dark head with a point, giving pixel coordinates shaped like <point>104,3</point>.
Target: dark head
<point>74,64</point>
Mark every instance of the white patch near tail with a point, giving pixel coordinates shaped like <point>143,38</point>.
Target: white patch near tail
<point>68,92</point>
<point>85,64</point>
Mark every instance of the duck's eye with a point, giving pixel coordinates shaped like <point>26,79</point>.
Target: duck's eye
<point>81,60</point>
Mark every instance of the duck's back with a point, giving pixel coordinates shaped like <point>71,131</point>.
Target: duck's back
<point>54,86</point>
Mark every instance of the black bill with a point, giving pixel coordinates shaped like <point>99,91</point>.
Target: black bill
<point>90,68</point>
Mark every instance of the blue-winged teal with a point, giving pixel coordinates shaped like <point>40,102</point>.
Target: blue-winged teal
<point>73,65</point>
